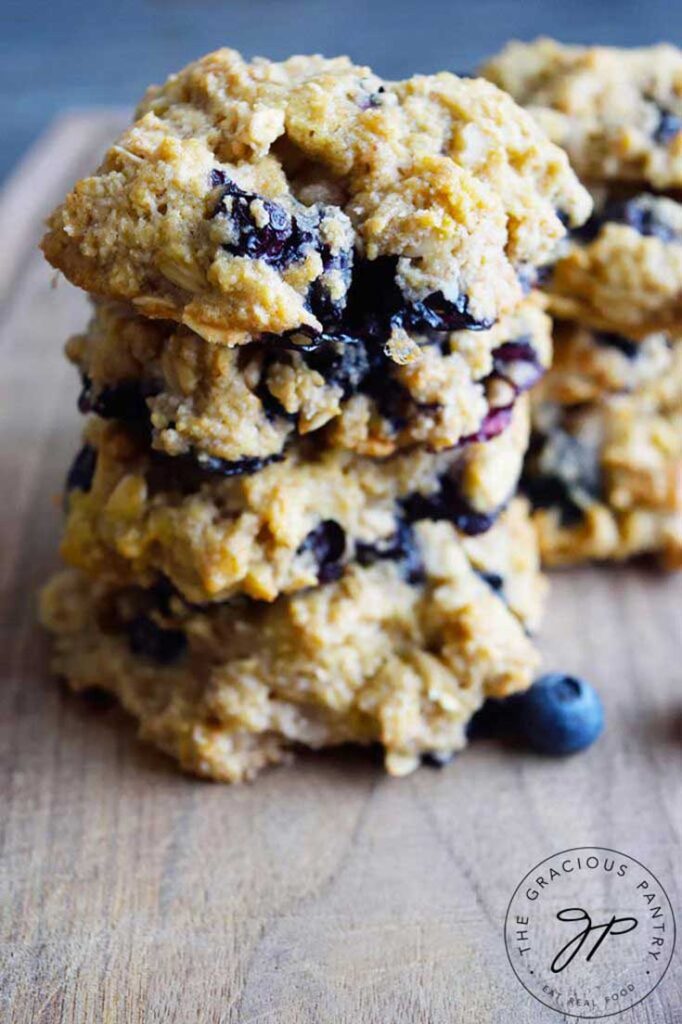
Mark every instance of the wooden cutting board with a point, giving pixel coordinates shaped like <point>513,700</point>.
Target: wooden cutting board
<point>326,892</point>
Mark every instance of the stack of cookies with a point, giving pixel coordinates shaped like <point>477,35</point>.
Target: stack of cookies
<point>292,520</point>
<point>605,468</point>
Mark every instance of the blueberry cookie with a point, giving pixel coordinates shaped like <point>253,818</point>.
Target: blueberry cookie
<point>606,480</point>
<point>375,657</point>
<point>134,514</point>
<point>309,196</point>
<point>622,271</point>
<point>617,113</point>
<point>249,402</point>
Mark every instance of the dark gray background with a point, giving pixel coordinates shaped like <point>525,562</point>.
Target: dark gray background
<point>70,53</point>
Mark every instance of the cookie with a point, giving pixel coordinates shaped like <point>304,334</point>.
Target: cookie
<point>606,480</point>
<point>228,689</point>
<point>310,196</point>
<point>250,402</point>
<point>134,515</point>
<point>617,112</point>
<point>622,271</point>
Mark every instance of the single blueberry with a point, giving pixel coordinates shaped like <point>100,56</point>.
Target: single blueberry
<point>493,579</point>
<point>626,346</point>
<point>400,547</point>
<point>79,477</point>
<point>494,422</point>
<point>147,639</point>
<point>669,127</point>
<point>516,362</point>
<point>558,715</point>
<point>327,542</point>
<point>126,400</point>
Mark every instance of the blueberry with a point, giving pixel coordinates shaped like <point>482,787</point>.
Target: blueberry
<point>552,492</point>
<point>634,213</point>
<point>328,310</point>
<point>376,303</point>
<point>516,362</point>
<point>561,472</point>
<point>187,472</point>
<point>270,237</point>
<point>494,423</point>
<point>263,229</point>
<point>558,715</point>
<point>669,127</point>
<point>327,542</point>
<point>79,477</point>
<point>626,346</point>
<point>342,362</point>
<point>126,400</point>
<point>147,639</point>
<point>400,547</point>
<point>447,503</point>
<point>494,581</point>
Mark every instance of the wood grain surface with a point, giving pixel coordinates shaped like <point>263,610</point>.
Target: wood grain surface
<point>326,892</point>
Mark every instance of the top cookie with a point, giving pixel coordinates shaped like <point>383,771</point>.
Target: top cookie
<point>262,198</point>
<point>618,113</point>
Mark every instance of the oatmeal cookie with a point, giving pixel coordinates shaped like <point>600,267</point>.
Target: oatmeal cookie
<point>249,402</point>
<point>134,514</point>
<point>227,689</point>
<point>617,112</point>
<point>311,196</point>
<point>606,480</point>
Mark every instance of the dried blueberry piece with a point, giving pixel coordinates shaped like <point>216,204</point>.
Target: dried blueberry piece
<point>561,472</point>
<point>327,543</point>
<point>149,640</point>
<point>217,177</point>
<point>552,492</point>
<point>437,313</point>
<point>516,362</point>
<point>493,579</point>
<point>626,346</point>
<point>186,473</point>
<point>495,422</point>
<point>342,361</point>
<point>125,401</point>
<point>635,213</point>
<point>447,504</point>
<point>79,477</point>
<point>400,547</point>
<point>668,128</point>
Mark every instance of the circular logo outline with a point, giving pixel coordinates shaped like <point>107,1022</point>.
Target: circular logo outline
<point>592,849</point>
